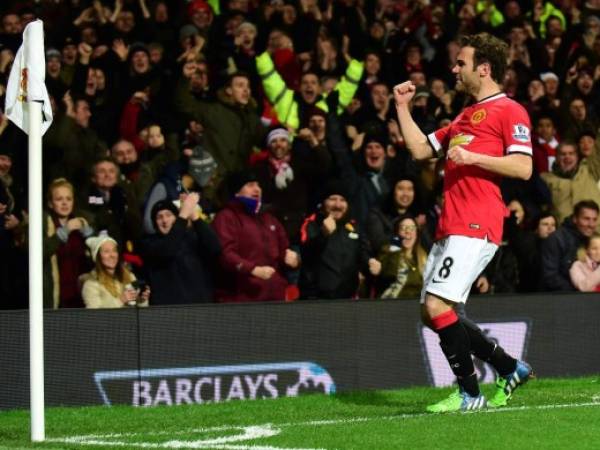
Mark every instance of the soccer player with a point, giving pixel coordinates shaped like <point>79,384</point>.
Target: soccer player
<point>488,140</point>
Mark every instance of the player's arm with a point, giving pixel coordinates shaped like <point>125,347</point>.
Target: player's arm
<point>514,165</point>
<point>415,140</point>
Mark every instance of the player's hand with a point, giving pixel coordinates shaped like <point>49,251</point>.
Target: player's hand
<point>460,156</point>
<point>404,92</point>
<point>329,225</point>
<point>374,266</point>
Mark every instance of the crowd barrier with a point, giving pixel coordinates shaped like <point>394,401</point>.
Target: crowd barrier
<point>211,353</point>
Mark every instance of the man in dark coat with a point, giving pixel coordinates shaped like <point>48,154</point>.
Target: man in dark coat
<point>332,253</point>
<point>179,256</point>
<point>559,251</point>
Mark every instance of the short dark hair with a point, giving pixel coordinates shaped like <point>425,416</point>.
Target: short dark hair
<point>585,204</point>
<point>488,49</point>
<point>235,75</point>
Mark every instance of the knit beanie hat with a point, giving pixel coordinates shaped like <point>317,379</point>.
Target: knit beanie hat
<point>160,206</point>
<point>95,242</point>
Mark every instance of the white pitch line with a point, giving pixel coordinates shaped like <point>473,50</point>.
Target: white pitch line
<point>252,432</point>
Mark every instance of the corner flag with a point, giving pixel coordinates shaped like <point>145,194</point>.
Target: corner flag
<point>26,98</point>
<point>26,80</point>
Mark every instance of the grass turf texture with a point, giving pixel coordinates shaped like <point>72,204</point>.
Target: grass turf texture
<point>544,414</point>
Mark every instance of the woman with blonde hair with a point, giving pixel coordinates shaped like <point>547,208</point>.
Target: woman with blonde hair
<point>402,262</point>
<point>64,247</point>
<point>111,284</point>
<point>585,272</point>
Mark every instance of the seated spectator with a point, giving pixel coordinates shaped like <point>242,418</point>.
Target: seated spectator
<point>559,250</point>
<point>110,284</point>
<point>64,248</point>
<point>572,180</point>
<point>332,254</point>
<point>585,272</point>
<point>402,262</point>
<point>255,247</point>
<point>179,257</point>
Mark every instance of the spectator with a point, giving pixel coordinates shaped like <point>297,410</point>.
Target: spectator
<point>110,284</point>
<point>526,244</point>
<point>288,106</point>
<point>255,247</point>
<point>559,250</point>
<point>64,248</point>
<point>80,144</point>
<point>231,124</point>
<point>401,201</point>
<point>572,180</point>
<point>585,272</point>
<point>332,257</point>
<point>114,209</point>
<point>544,142</point>
<point>286,173</point>
<point>179,257</point>
<point>402,262</point>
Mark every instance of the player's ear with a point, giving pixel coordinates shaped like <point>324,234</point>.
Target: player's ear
<point>485,69</point>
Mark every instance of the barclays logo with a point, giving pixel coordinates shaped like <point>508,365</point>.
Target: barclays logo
<point>189,385</point>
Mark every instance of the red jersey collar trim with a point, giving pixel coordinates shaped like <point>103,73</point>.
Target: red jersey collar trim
<point>491,98</point>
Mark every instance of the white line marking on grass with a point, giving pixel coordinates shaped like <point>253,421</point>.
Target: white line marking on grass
<point>252,432</point>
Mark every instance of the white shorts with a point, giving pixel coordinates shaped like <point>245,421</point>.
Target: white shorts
<point>453,265</point>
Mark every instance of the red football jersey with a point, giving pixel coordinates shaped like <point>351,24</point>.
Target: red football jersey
<point>473,205</point>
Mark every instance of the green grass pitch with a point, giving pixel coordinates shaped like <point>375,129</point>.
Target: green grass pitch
<point>544,414</point>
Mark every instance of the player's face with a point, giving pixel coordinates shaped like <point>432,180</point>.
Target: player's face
<point>467,78</point>
<point>546,227</point>
<point>593,249</point>
<point>336,205</point>
<point>586,221</point>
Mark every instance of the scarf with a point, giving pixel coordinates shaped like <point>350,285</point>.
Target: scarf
<point>251,205</point>
<point>283,171</point>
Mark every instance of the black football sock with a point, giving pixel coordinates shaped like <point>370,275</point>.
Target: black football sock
<point>487,350</point>
<point>454,341</point>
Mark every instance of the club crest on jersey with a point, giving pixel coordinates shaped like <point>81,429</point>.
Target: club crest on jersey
<point>461,139</point>
<point>478,116</point>
<point>521,133</point>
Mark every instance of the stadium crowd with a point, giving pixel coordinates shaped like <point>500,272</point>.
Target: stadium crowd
<point>249,150</point>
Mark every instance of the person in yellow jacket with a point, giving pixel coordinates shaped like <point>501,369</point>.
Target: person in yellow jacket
<point>288,105</point>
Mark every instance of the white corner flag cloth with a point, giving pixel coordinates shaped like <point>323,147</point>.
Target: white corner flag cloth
<point>26,80</point>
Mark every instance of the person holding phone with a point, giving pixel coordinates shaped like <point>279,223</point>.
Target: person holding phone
<point>111,284</point>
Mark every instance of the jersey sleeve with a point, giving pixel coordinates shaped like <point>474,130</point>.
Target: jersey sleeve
<point>439,141</point>
<point>516,131</point>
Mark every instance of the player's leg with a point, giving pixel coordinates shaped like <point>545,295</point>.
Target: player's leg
<point>446,283</point>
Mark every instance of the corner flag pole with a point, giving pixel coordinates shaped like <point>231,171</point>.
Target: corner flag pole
<point>28,106</point>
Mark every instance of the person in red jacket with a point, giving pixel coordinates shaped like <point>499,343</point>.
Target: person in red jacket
<point>255,247</point>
